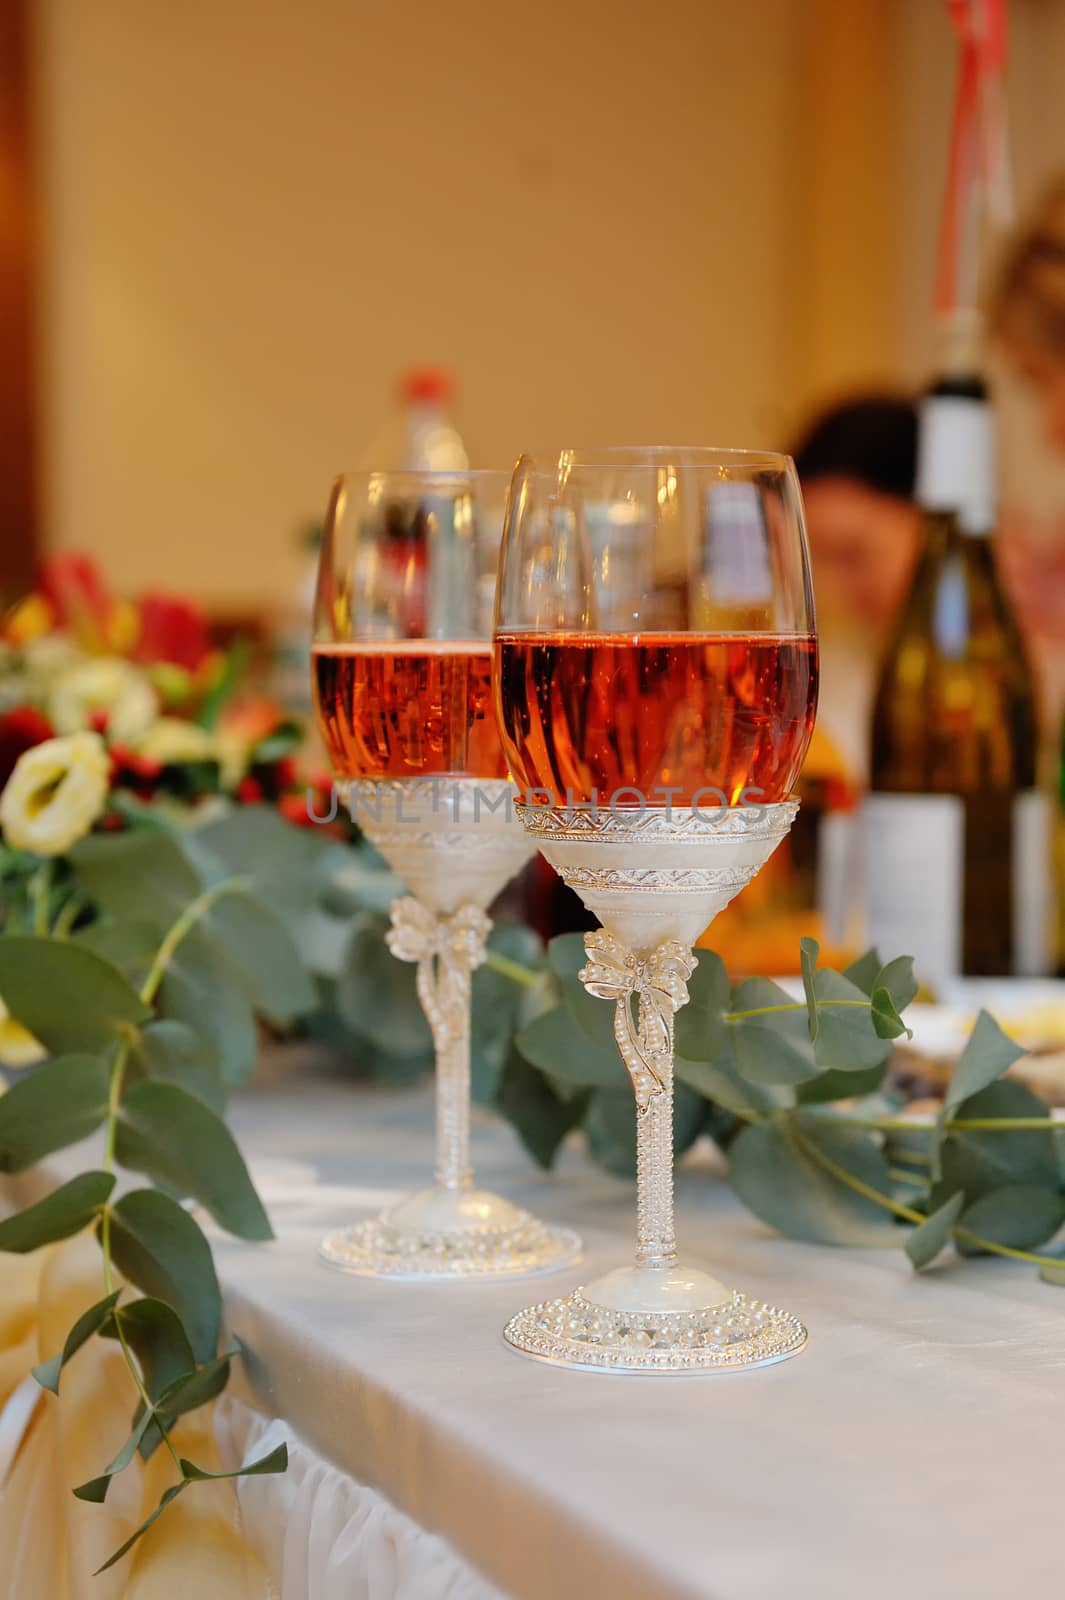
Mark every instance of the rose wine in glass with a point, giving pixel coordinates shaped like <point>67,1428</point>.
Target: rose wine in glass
<point>402,679</point>
<point>656,685</point>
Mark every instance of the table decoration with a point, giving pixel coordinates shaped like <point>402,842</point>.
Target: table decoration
<point>402,678</point>
<point>147,919</point>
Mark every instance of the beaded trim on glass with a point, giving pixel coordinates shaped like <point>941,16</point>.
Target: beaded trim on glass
<point>636,825</point>
<point>375,1249</point>
<point>577,1333</point>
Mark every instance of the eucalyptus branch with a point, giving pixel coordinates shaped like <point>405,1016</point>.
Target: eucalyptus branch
<point>794,1005</point>
<point>184,926</point>
<point>511,969</point>
<point>908,1214</point>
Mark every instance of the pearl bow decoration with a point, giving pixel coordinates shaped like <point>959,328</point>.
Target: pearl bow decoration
<point>660,980</point>
<point>454,945</point>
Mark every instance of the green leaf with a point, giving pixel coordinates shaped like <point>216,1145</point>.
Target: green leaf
<point>178,1141</point>
<point>129,946</point>
<point>142,875</point>
<point>175,1053</point>
<point>286,738</point>
<point>933,1234</point>
<point>154,1333</point>
<point>720,1081</point>
<point>702,1034</point>
<point>48,1373</point>
<point>256,948</point>
<point>554,1043</point>
<point>775,1174</point>
<point>566,956</point>
<point>837,1085</point>
<point>96,1488</point>
<point>1021,1216</point>
<point>898,979</point>
<point>282,862</point>
<point>848,1041</point>
<point>774,1047</point>
<point>69,998</point>
<point>540,1117</point>
<point>53,1106</point>
<point>809,950</point>
<point>376,994</point>
<point>865,972</point>
<point>205,1385</point>
<point>276,1461</point>
<point>169,1496</point>
<point>199,992</point>
<point>160,1248</point>
<point>887,1024</point>
<point>61,1214</point>
<point>979,1162</point>
<point>987,1054</point>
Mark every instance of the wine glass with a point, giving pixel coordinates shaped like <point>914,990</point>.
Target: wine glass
<point>401,666</point>
<point>656,683</point>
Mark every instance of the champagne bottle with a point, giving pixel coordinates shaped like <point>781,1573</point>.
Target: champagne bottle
<point>957,835</point>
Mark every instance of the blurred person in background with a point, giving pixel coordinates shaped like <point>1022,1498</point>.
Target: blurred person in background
<point>857,465</point>
<point>1028,321</point>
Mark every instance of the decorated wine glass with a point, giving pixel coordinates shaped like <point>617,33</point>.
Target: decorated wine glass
<point>401,663</point>
<point>656,683</point>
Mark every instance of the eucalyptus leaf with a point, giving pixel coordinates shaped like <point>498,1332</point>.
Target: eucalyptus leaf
<point>1020,1215</point>
<point>837,1085</point>
<point>933,1234</point>
<point>68,997</point>
<point>566,956</point>
<point>142,875</point>
<point>541,1117</point>
<point>53,1106</point>
<point>497,1006</point>
<point>887,1024</point>
<point>96,1489</point>
<point>128,945</point>
<point>168,1498</point>
<point>281,861</point>
<point>847,1040</point>
<point>66,1211</point>
<point>275,1461</point>
<point>773,1047</point>
<point>167,1133</point>
<point>773,1171</point>
<point>154,1332</point>
<point>865,972</point>
<point>376,994</point>
<point>611,1126</point>
<point>987,1054</point>
<point>554,1043</point>
<point>809,950</point>
<point>90,1322</point>
<point>720,1081</point>
<point>199,992</point>
<point>979,1162</point>
<point>174,1052</point>
<point>260,953</point>
<point>897,977</point>
<point>701,1030</point>
<point>158,1246</point>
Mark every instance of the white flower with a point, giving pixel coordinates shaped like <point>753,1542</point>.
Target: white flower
<point>55,794</point>
<point>18,1047</point>
<point>170,741</point>
<point>50,654</point>
<point>108,685</point>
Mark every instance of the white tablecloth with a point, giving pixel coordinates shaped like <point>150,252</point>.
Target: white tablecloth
<point>911,1450</point>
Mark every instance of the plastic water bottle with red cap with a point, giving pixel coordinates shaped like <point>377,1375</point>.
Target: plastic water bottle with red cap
<point>420,435</point>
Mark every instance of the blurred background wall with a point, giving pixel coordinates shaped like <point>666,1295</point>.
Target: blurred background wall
<point>683,221</point>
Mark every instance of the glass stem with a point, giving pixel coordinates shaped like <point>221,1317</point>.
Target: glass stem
<point>656,1240</point>
<point>444,991</point>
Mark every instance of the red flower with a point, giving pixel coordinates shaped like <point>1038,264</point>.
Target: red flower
<point>249,791</point>
<point>20,729</point>
<point>172,630</point>
<point>77,594</point>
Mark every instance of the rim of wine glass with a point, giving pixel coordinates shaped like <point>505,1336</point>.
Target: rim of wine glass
<point>678,456</point>
<point>412,477</point>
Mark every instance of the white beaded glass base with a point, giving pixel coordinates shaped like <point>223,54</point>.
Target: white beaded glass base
<point>655,879</point>
<point>492,1240</point>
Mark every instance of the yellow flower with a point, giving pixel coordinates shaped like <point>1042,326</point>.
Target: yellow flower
<point>170,740</point>
<point>105,685</point>
<point>18,1047</point>
<point>55,794</point>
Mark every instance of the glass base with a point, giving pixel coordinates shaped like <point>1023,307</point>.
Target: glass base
<point>644,1320</point>
<point>440,1234</point>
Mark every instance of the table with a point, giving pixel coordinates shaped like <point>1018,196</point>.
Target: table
<point>908,1451</point>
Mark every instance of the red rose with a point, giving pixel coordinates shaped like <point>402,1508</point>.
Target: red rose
<point>77,594</point>
<point>172,630</point>
<point>20,729</point>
